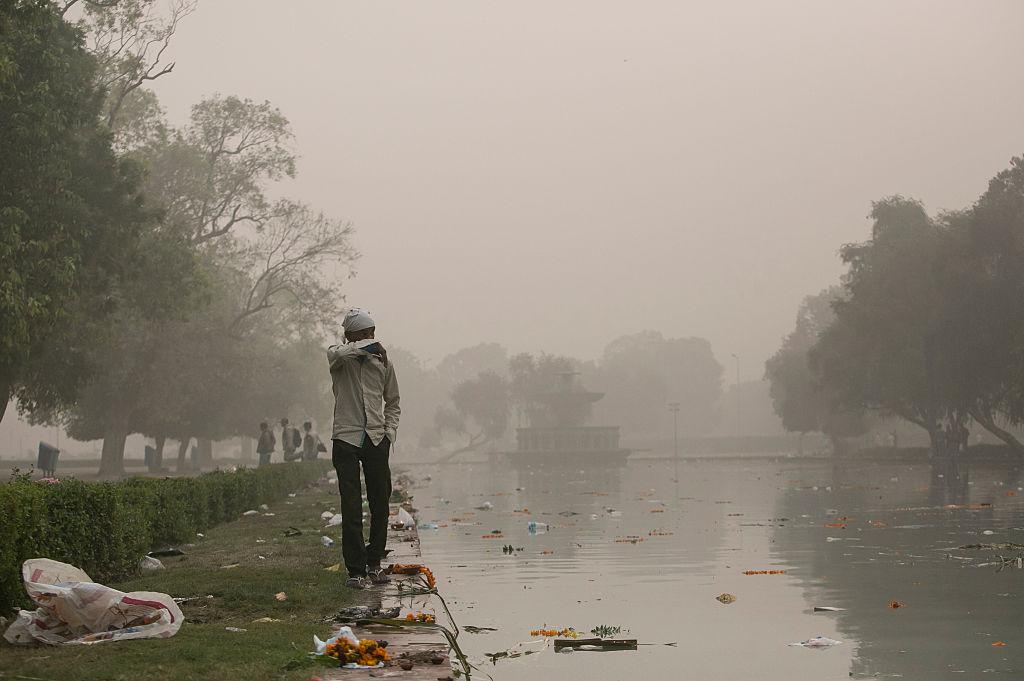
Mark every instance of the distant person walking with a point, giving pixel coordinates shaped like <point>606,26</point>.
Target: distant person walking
<point>366,412</point>
<point>265,445</point>
<point>290,441</point>
<point>311,444</point>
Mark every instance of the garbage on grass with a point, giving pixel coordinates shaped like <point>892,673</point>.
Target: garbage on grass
<point>237,630</point>
<point>75,610</point>
<point>251,512</point>
<point>334,520</point>
<point>164,553</point>
<point>292,532</point>
<point>281,596</point>
<point>364,612</point>
<point>326,515</point>
<point>150,563</point>
<point>326,541</point>
<point>817,642</point>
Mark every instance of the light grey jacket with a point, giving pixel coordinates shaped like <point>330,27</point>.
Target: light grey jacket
<point>366,398</point>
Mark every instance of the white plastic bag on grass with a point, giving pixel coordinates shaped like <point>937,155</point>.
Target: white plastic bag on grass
<point>75,610</point>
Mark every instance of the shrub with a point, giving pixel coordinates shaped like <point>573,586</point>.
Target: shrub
<point>106,527</point>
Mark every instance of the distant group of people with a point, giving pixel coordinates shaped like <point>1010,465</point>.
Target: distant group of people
<point>296,446</point>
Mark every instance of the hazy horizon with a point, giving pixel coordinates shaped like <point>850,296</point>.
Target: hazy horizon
<point>551,176</point>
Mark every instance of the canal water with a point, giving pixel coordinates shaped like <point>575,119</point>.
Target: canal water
<point>650,545</point>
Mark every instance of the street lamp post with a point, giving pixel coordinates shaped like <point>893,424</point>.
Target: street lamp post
<point>674,408</point>
<point>737,358</point>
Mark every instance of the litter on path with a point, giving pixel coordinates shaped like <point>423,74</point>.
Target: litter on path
<point>75,610</point>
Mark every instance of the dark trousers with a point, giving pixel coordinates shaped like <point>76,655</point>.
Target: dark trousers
<point>377,473</point>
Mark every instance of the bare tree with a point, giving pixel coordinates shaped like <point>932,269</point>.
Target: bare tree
<point>129,39</point>
<point>296,262</point>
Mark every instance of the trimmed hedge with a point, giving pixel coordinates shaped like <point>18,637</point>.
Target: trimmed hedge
<point>104,528</point>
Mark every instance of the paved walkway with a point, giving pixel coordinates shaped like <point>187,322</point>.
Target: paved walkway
<point>427,646</point>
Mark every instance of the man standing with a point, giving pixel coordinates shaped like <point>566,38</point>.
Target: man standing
<point>265,445</point>
<point>366,415</point>
<point>290,440</point>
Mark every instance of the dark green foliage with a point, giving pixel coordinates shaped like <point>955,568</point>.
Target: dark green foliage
<point>68,206</point>
<point>106,527</point>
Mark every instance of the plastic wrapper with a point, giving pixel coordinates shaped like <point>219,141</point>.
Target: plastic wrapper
<point>72,609</point>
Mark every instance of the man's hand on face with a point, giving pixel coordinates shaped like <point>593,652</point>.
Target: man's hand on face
<point>378,351</point>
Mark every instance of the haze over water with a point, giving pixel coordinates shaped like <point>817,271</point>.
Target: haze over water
<point>553,175</point>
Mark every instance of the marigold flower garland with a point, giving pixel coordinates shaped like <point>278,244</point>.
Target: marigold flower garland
<point>368,653</point>
<point>397,569</point>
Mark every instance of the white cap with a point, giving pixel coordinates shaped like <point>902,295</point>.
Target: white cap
<point>357,319</point>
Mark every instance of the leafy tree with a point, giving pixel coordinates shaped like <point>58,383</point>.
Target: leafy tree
<point>532,378</point>
<point>642,372</point>
<point>895,344</point>
<point>990,288</point>
<point>800,400</point>
<point>480,408</point>
<point>69,209</point>
<point>470,362</point>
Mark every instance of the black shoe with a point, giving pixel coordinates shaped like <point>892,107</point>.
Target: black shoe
<point>357,582</point>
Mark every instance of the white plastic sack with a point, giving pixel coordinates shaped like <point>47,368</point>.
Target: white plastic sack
<point>73,609</point>
<point>334,520</point>
<point>404,519</point>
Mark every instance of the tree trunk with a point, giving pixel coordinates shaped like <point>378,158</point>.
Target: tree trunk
<point>182,453</point>
<point>6,390</point>
<point>115,433</point>
<point>158,462</point>
<point>205,453</point>
<point>989,424</point>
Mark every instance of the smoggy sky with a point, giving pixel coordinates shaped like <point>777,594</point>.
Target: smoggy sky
<point>551,175</point>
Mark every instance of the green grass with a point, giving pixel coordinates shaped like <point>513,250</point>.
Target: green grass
<point>203,648</point>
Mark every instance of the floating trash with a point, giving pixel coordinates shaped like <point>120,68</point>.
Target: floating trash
<point>818,642</point>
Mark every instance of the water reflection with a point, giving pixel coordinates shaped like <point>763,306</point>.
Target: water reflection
<point>901,522</point>
<point>649,549</point>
